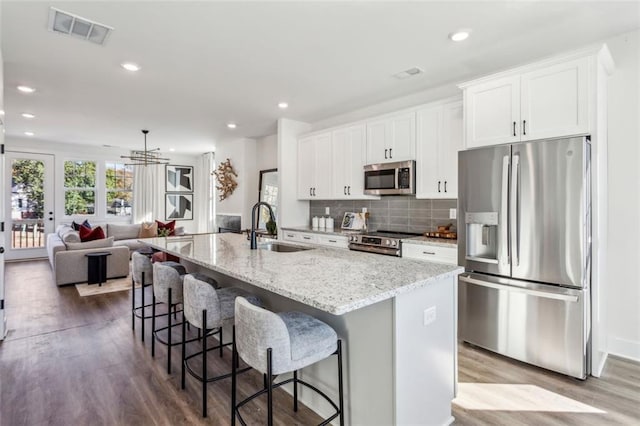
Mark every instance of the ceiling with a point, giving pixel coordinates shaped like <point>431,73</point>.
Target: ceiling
<point>204,64</point>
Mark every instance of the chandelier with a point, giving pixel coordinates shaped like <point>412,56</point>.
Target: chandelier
<point>147,157</point>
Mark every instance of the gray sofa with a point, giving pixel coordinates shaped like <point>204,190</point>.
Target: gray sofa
<point>67,254</point>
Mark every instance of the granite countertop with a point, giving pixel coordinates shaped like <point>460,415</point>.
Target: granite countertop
<point>323,231</point>
<point>332,280</point>
<point>427,241</point>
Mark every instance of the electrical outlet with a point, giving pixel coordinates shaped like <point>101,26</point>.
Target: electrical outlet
<point>429,315</point>
<point>453,213</point>
<point>326,211</point>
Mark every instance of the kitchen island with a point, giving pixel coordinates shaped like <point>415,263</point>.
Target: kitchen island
<point>396,317</point>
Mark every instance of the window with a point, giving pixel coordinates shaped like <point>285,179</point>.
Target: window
<point>119,186</point>
<point>79,187</point>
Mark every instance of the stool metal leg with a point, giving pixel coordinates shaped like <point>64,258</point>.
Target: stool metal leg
<point>153,326</point>
<point>169,335</point>
<point>142,290</point>
<point>295,390</point>
<point>184,351</point>
<point>221,353</point>
<point>340,387</point>
<point>204,363</point>
<point>133,303</point>
<point>234,355</point>
<point>269,389</point>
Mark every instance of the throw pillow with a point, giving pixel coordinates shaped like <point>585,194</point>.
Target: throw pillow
<point>71,236</point>
<point>76,226</point>
<point>104,243</point>
<point>88,234</point>
<point>123,232</point>
<point>169,225</point>
<point>148,230</point>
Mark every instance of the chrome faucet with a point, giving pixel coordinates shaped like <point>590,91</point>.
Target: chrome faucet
<point>254,243</point>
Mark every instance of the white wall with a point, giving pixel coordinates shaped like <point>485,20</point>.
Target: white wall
<point>242,154</point>
<point>267,152</point>
<point>623,289</point>
<point>62,152</point>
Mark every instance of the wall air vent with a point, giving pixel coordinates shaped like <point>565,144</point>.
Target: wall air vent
<point>67,23</point>
<point>408,73</point>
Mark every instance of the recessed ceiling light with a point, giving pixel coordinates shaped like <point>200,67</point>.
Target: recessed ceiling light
<point>172,149</point>
<point>28,115</point>
<point>232,125</point>
<point>130,66</point>
<point>459,35</point>
<point>26,89</point>
<point>283,105</point>
<point>29,133</point>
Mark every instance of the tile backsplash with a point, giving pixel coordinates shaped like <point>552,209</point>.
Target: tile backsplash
<point>395,213</point>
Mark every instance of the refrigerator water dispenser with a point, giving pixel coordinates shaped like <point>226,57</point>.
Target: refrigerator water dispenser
<point>482,236</point>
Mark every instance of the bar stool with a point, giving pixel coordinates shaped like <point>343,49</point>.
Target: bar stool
<point>282,343</point>
<point>209,310</point>
<point>167,288</point>
<point>141,273</point>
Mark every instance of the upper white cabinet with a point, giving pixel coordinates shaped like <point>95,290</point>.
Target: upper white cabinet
<point>391,138</point>
<point>550,101</point>
<point>439,130</point>
<point>348,148</point>
<point>314,167</point>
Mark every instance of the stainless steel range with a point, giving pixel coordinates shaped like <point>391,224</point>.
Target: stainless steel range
<point>381,242</point>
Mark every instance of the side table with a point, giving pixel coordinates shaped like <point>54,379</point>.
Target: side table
<point>97,267</point>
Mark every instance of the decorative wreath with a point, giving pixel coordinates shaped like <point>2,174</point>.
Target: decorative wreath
<point>226,178</point>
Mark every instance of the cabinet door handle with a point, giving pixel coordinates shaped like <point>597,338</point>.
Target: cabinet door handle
<point>439,186</point>
<point>307,238</point>
<point>514,128</point>
<point>445,186</point>
<point>332,241</point>
<point>524,127</point>
<point>390,152</point>
<point>314,192</point>
<point>289,235</point>
<point>310,192</point>
<point>429,252</point>
<point>345,190</point>
<point>385,153</point>
<point>348,190</point>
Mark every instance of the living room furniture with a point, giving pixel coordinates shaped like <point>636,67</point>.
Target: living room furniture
<point>97,267</point>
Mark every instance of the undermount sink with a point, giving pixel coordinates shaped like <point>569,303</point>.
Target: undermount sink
<point>282,248</point>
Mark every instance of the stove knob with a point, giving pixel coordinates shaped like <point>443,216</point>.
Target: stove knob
<point>394,243</point>
<point>387,242</point>
<point>354,238</point>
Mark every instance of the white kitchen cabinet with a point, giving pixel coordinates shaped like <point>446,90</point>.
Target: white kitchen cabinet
<point>430,253</point>
<point>348,151</point>
<point>314,167</point>
<point>391,139</point>
<point>548,101</point>
<point>327,240</point>
<point>439,133</point>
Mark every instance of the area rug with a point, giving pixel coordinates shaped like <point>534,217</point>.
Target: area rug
<point>112,285</point>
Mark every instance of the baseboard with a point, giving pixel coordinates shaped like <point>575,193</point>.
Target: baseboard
<point>624,348</point>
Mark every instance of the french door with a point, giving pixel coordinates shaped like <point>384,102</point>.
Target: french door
<point>28,204</point>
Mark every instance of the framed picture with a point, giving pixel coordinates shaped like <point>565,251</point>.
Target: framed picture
<point>178,206</point>
<point>353,220</point>
<point>179,178</point>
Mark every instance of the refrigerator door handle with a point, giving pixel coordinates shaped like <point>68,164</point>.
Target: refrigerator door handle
<point>515,209</point>
<point>504,214</point>
<point>527,291</point>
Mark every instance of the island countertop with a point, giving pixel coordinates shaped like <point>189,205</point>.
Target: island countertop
<point>332,280</point>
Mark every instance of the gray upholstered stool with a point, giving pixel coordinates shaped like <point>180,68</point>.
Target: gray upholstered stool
<point>141,273</point>
<point>208,309</point>
<point>167,288</point>
<point>282,343</point>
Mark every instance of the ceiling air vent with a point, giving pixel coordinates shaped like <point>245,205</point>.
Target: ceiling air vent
<point>408,73</point>
<point>67,23</point>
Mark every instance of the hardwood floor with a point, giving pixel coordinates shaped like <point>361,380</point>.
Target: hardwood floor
<point>69,360</point>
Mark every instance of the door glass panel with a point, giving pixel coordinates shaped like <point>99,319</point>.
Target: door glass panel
<point>27,203</point>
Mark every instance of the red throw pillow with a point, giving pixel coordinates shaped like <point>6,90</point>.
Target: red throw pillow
<point>171,226</point>
<point>88,234</point>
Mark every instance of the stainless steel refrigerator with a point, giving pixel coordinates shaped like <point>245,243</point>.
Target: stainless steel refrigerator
<point>524,238</point>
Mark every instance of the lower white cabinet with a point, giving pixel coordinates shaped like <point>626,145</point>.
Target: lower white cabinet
<point>438,254</point>
<point>327,240</point>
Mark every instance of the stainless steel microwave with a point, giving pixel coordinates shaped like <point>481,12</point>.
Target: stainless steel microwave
<point>397,178</point>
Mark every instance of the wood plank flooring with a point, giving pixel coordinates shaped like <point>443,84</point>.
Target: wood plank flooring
<point>69,360</point>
